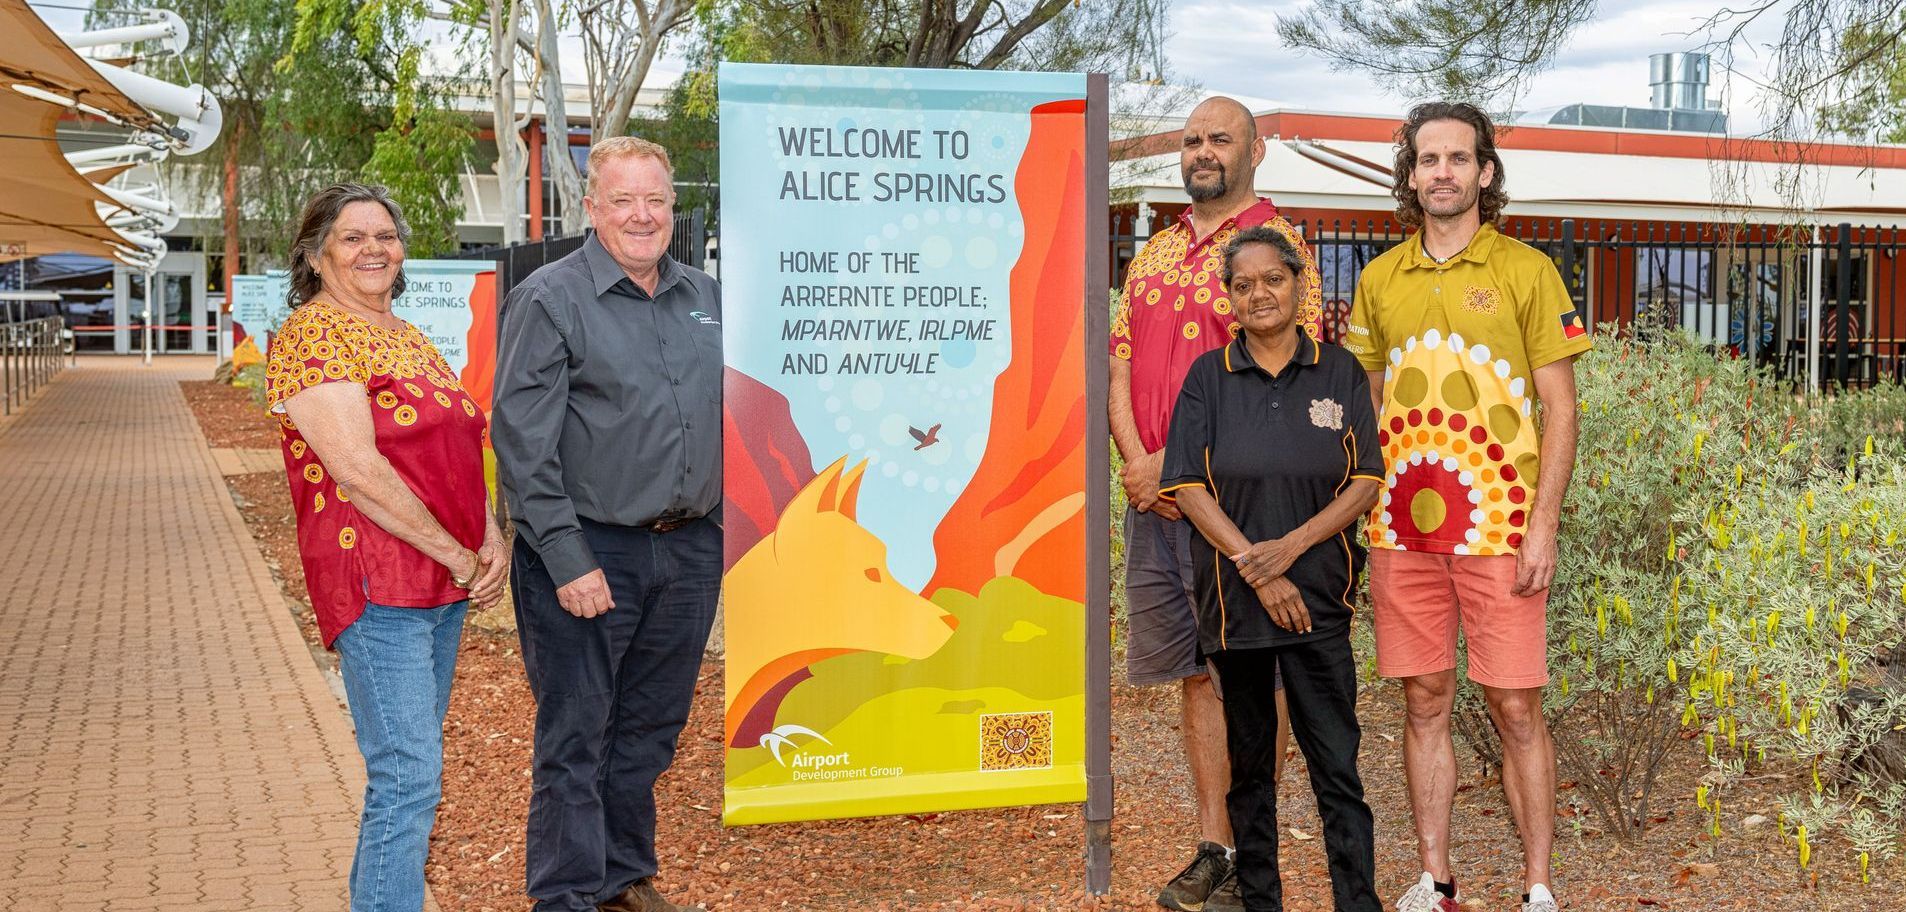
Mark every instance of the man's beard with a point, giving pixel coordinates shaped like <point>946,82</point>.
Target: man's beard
<point>1202,193</point>
<point>1466,199</point>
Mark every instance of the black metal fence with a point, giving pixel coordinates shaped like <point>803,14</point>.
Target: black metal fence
<point>687,244</point>
<point>1748,291</point>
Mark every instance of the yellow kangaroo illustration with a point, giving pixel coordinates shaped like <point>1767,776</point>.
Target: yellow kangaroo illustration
<point>815,587</point>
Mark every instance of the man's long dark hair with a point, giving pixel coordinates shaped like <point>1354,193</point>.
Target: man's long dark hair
<point>1409,210</point>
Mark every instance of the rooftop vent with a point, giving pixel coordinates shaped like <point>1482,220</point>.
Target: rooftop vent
<point>1679,81</point>
<point>1679,101</point>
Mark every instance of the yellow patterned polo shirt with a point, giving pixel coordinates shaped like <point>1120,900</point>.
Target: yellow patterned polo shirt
<point>1458,343</point>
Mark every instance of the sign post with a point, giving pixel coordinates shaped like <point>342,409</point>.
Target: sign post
<point>916,507</point>
<point>1098,655</point>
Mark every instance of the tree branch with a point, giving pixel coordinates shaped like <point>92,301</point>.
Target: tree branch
<point>1018,32</point>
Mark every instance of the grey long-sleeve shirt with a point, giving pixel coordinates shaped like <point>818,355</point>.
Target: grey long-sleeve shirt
<point>608,401</point>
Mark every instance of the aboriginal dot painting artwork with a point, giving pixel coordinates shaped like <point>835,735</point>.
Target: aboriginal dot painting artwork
<point>1459,437</point>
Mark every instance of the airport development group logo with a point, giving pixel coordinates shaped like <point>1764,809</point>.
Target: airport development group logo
<point>783,736</point>
<point>1013,741</point>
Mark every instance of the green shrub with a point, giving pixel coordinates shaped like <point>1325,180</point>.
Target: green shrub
<point>251,378</point>
<point>1790,666</point>
<point>1725,569</point>
<point>1668,434</point>
<point>1849,417</point>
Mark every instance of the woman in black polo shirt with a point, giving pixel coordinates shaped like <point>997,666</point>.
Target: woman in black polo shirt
<point>1273,456</point>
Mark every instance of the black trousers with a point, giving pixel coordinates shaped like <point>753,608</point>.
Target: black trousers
<point>1320,688</point>
<point>612,694</point>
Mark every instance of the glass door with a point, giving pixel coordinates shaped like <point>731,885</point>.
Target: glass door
<point>130,332</point>
<point>174,314</point>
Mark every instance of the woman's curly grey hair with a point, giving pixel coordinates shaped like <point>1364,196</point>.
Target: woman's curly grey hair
<point>314,226</point>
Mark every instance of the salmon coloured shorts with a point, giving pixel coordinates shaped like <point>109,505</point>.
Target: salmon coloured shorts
<point>1418,600</point>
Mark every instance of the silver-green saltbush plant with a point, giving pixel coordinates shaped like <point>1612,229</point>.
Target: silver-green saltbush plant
<point>1725,571</point>
<point>1793,664</point>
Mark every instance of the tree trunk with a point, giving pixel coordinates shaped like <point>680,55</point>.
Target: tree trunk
<point>232,214</point>
<point>622,99</point>
<point>630,75</point>
<point>562,168</point>
<point>509,145</point>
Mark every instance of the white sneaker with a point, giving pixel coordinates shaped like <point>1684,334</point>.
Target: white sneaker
<point>1540,900</point>
<point>1423,898</point>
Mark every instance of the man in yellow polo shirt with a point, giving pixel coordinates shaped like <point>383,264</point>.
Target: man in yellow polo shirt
<point>1463,332</point>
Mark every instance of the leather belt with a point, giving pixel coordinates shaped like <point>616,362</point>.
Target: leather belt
<point>669,522</point>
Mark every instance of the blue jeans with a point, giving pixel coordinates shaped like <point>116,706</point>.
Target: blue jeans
<point>397,665</point>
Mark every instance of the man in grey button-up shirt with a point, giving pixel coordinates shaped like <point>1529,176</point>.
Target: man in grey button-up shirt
<point>608,401</point>
<point>608,447</point>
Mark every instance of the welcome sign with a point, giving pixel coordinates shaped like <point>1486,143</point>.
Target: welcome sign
<point>904,272</point>
<point>452,302</point>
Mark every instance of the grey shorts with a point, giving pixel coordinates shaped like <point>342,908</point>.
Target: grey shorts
<point>1160,613</point>
<point>1160,604</point>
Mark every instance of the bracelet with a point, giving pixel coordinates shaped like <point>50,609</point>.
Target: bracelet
<point>465,581</point>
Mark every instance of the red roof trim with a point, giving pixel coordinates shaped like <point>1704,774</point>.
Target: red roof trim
<point>1354,128</point>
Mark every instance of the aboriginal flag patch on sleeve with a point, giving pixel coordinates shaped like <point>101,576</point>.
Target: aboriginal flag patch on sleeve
<point>1572,325</point>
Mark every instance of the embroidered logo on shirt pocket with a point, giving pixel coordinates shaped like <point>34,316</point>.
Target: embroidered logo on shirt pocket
<point>1477,299</point>
<point>1326,413</point>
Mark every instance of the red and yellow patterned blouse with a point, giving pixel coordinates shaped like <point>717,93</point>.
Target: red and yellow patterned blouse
<point>426,427</point>
<point>1176,309</point>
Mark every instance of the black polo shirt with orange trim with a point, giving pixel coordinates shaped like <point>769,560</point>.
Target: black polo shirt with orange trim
<point>1275,450</point>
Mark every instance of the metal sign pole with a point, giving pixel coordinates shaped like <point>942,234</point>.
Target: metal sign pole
<point>1098,463</point>
<point>1815,279</point>
<point>145,316</point>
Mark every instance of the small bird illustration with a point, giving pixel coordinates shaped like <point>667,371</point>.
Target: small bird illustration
<point>927,438</point>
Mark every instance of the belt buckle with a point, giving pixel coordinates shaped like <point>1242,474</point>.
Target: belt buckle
<point>670,521</point>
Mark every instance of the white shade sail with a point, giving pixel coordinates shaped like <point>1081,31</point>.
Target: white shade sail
<point>46,204</point>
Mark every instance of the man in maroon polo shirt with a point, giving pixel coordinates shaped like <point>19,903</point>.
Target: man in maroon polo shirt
<point>1176,309</point>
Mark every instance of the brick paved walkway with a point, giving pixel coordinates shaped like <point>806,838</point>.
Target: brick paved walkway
<point>166,741</point>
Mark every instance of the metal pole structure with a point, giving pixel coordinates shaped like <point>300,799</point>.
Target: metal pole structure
<point>1568,272</point>
<point>16,379</point>
<point>1842,319</point>
<point>145,316</point>
<point>1813,312</point>
<point>1098,507</point>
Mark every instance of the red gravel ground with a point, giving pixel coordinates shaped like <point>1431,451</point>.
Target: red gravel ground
<point>1029,858</point>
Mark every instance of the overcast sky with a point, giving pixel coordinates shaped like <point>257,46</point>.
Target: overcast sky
<point>1231,46</point>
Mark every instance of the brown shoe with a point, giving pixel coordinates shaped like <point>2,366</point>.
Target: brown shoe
<point>642,896</point>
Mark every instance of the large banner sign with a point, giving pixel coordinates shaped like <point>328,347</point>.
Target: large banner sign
<point>452,302</point>
<point>252,310</point>
<point>903,268</point>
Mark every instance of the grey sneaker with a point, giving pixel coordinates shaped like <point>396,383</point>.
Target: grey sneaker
<point>1194,885</point>
<point>1541,905</point>
<point>1226,897</point>
<point>1422,897</point>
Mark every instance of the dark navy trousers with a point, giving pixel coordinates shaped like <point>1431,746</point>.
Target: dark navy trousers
<point>1320,687</point>
<point>612,694</point>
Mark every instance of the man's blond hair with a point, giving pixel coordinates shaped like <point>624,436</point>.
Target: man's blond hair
<point>624,147</point>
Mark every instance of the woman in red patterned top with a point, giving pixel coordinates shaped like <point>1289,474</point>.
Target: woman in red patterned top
<point>384,453</point>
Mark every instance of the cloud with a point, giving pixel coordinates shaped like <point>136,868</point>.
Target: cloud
<point>1232,46</point>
